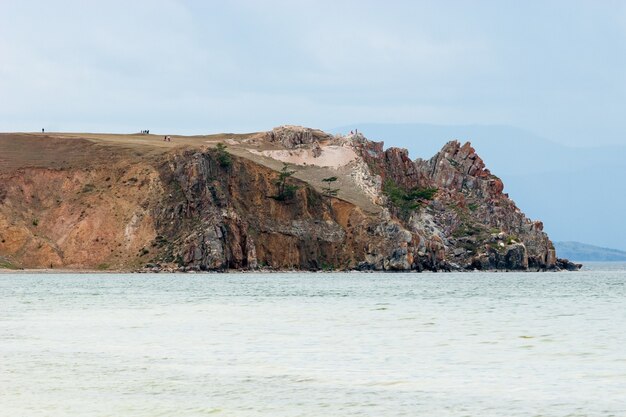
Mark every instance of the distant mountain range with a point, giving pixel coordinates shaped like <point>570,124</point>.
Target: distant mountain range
<point>582,252</point>
<point>579,193</point>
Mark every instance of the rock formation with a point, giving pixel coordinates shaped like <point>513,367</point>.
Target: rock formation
<point>202,207</point>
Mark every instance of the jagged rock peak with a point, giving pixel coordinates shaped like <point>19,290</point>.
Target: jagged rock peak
<point>293,136</point>
<point>462,157</point>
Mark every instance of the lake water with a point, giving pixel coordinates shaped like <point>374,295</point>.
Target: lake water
<point>452,344</point>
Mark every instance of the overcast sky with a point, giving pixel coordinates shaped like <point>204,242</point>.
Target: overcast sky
<point>555,68</point>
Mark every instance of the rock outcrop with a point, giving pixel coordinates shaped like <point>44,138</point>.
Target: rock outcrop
<point>477,224</point>
<point>293,136</point>
<point>206,208</point>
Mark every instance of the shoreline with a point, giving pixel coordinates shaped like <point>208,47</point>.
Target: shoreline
<point>268,271</point>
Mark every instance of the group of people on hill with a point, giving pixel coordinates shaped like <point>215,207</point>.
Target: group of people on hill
<point>166,138</point>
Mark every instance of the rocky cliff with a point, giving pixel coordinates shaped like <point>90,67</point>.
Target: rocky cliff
<point>228,202</point>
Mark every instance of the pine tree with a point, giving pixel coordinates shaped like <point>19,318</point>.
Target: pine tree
<point>223,157</point>
<point>328,191</point>
<point>285,191</point>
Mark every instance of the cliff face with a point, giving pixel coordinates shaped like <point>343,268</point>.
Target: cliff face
<point>218,217</point>
<point>204,208</point>
<point>88,217</point>
<point>479,225</point>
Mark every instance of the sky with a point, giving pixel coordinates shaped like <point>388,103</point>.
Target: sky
<point>556,68</point>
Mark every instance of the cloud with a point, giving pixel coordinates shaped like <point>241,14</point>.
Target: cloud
<point>553,67</point>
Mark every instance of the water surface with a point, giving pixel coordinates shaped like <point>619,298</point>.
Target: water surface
<point>466,344</point>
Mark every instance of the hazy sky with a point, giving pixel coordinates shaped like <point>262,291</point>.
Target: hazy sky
<point>556,68</point>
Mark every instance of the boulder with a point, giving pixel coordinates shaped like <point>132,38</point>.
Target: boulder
<point>567,265</point>
<point>516,257</point>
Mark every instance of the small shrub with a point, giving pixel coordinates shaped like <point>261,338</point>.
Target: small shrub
<point>422,193</point>
<point>223,157</point>
<point>288,192</point>
<point>285,191</point>
<point>405,200</point>
<point>312,197</point>
<point>512,239</point>
<point>102,267</point>
<point>328,267</point>
<point>465,230</point>
<point>35,222</point>
<point>159,241</point>
<point>6,265</point>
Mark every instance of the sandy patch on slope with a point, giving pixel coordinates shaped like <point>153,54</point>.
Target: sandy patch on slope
<point>329,156</point>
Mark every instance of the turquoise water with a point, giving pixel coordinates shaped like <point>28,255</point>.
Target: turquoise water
<point>472,344</point>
